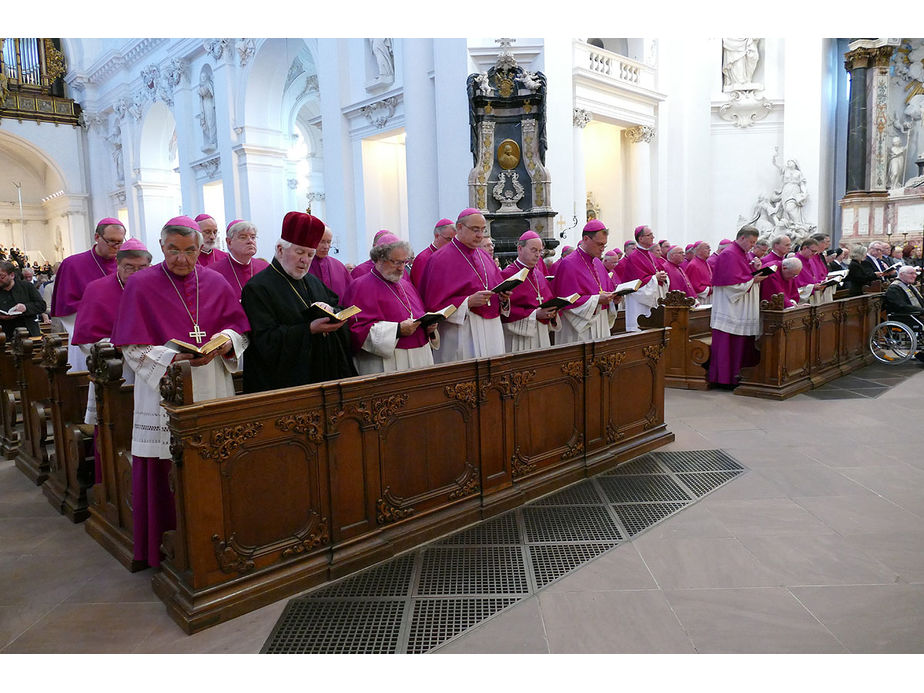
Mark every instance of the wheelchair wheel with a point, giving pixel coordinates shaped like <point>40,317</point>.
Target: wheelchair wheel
<point>893,342</point>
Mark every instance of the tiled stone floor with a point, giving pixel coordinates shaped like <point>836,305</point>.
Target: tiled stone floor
<point>818,548</point>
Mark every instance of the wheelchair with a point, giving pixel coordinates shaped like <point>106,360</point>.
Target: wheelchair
<point>896,340</point>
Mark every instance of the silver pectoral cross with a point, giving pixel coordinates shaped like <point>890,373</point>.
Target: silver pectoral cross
<point>197,334</point>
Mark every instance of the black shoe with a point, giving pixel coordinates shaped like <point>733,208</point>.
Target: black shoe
<point>920,356</point>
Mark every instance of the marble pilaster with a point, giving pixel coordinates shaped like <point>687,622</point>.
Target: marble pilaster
<point>879,145</point>
<point>638,154</point>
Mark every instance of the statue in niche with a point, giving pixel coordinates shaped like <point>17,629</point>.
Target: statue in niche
<point>896,169</point>
<point>739,61</point>
<point>508,154</point>
<point>384,59</point>
<point>115,139</point>
<point>207,117</point>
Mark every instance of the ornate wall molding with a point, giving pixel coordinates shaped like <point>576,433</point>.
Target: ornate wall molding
<point>467,393</point>
<point>245,50</point>
<point>510,384</point>
<point>388,509</point>
<point>581,117</point>
<point>314,537</point>
<point>639,133</point>
<point>745,108</point>
<point>230,558</point>
<point>225,441</point>
<point>380,112</point>
<point>308,423</point>
<point>466,484</point>
<point>207,168</point>
<point>216,47</point>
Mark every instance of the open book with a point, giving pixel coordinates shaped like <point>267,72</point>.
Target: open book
<point>11,312</point>
<point>834,278</point>
<point>764,271</point>
<point>428,319</point>
<point>512,282</point>
<point>560,301</point>
<point>317,310</point>
<point>628,287</point>
<point>204,350</point>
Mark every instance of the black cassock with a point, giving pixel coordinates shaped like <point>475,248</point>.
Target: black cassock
<point>282,351</point>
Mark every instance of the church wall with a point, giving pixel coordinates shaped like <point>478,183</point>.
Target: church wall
<point>453,153</point>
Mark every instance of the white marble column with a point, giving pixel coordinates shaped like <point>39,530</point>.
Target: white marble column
<point>579,179</point>
<point>638,182</point>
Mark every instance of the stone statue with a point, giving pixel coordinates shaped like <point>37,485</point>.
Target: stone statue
<point>739,61</point>
<point>896,163</point>
<point>115,139</point>
<point>207,118</point>
<point>766,214</point>
<point>791,194</point>
<point>384,59</point>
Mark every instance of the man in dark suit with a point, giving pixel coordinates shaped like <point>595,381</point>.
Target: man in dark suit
<point>875,262</point>
<point>20,301</point>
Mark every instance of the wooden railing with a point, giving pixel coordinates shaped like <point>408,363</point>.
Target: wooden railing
<point>279,491</point>
<point>690,340</point>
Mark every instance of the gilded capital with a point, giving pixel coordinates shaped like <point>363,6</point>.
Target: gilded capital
<point>639,133</point>
<point>858,57</point>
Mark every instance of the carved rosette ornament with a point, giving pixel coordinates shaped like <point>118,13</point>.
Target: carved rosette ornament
<point>467,393</point>
<point>378,412</point>
<point>466,484</point>
<point>308,423</point>
<point>639,134</point>
<point>580,117</point>
<point>510,384</point>
<point>224,441</point>
<point>389,510</point>
<point>230,560</point>
<point>317,535</point>
<point>574,447</point>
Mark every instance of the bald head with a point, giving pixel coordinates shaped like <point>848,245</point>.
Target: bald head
<point>790,267</point>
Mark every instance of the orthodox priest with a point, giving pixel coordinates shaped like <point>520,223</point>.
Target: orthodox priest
<point>643,265</point>
<point>175,299</point>
<point>79,270</point>
<point>288,346</point>
<point>582,272</point>
<point>387,335</point>
<point>461,273</point>
<point>527,326</point>
<point>735,319</point>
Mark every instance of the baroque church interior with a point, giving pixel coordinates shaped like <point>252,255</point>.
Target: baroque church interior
<point>816,548</point>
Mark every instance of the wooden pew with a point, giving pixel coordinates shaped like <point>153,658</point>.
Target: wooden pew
<point>804,347</point>
<point>71,465</point>
<point>279,491</point>
<point>10,437</point>
<point>33,456</point>
<point>110,520</point>
<point>689,342</point>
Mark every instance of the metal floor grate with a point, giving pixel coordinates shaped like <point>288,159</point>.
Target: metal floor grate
<point>420,600</point>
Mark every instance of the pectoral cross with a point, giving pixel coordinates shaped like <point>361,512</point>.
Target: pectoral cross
<point>197,334</point>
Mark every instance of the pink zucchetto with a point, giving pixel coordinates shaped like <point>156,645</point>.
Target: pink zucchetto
<point>725,241</point>
<point>203,217</point>
<point>613,252</point>
<point>627,244</point>
<point>639,230</point>
<point>132,244</point>
<point>528,235</point>
<point>236,221</point>
<point>443,222</point>
<point>302,229</point>
<point>690,246</point>
<point>109,221</point>
<point>593,226</point>
<point>386,238</point>
<point>183,221</point>
<point>467,212</point>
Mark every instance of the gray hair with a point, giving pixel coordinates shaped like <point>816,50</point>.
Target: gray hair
<point>381,252</point>
<point>791,263</point>
<point>907,269</point>
<point>820,236</point>
<point>775,240</point>
<point>748,230</point>
<point>235,229</point>
<point>184,231</point>
<point>858,252</point>
<point>284,243</point>
<point>763,242</point>
<point>133,255</point>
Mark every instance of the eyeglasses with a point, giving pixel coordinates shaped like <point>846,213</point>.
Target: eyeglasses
<point>397,263</point>
<point>476,229</point>
<point>174,252</point>
<point>112,243</point>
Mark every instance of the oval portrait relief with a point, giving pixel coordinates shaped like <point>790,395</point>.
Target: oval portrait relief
<point>508,154</point>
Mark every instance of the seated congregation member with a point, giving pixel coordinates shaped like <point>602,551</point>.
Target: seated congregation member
<point>461,273</point>
<point>366,267</point>
<point>386,334</point>
<point>859,273</point>
<point>288,346</point>
<point>100,305</point>
<point>735,318</point>
<point>20,297</point>
<point>783,281</point>
<point>838,261</point>
<point>527,326</point>
<point>443,232</point>
<point>902,297</point>
<point>592,315</point>
<point>700,273</point>
<point>875,261</point>
<point>332,273</point>
<point>677,277</point>
<point>643,265</point>
<point>209,253</point>
<point>76,271</point>
<point>175,299</point>
<point>239,265</point>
